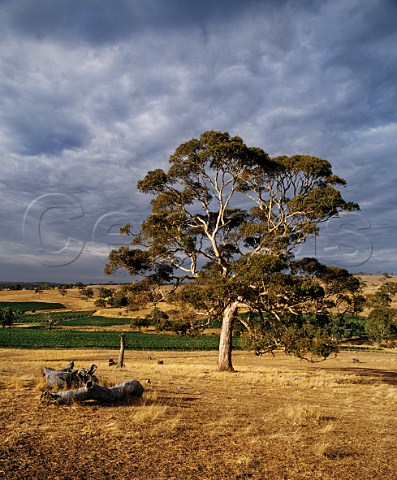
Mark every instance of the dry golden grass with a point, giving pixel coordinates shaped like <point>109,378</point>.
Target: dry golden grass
<point>72,300</point>
<point>275,418</point>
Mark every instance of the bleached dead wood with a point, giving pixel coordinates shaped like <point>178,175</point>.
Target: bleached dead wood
<point>92,391</point>
<point>68,377</point>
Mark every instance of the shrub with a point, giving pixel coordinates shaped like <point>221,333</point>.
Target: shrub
<point>381,326</point>
<point>139,322</point>
<point>160,320</point>
<point>6,316</point>
<point>101,302</point>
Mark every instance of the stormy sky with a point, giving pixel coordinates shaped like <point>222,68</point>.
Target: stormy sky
<point>95,93</point>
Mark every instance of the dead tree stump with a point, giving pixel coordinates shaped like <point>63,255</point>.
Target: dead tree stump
<point>68,377</point>
<point>120,362</point>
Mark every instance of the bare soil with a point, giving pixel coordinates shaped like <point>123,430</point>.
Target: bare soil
<point>275,418</point>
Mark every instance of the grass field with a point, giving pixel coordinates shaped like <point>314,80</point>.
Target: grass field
<point>276,418</point>
<point>72,300</point>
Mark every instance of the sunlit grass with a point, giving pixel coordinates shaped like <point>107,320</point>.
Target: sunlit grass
<point>271,416</point>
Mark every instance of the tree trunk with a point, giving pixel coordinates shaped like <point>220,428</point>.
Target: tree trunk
<point>120,362</point>
<point>225,341</point>
<point>92,391</point>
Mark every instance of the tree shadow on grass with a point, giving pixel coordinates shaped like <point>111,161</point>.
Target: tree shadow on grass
<point>170,401</point>
<point>371,375</point>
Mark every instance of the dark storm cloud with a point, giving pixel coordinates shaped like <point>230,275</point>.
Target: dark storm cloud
<point>95,93</point>
<point>99,22</point>
<point>47,134</point>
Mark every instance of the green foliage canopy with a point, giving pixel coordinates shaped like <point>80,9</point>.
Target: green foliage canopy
<point>381,323</point>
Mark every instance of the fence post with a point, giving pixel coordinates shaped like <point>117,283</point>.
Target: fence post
<point>120,362</point>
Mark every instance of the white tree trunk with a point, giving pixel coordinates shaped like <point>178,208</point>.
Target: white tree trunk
<point>225,341</point>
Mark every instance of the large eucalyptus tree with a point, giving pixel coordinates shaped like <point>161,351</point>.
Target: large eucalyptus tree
<point>227,218</point>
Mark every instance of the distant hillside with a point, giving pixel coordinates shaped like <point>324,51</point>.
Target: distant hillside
<point>373,282</point>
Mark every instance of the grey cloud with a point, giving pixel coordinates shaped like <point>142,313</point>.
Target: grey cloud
<point>71,20</point>
<point>101,22</point>
<point>46,134</point>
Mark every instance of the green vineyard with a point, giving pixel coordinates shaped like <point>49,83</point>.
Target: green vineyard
<point>39,338</point>
<point>56,316</point>
<point>31,306</point>
<point>97,321</point>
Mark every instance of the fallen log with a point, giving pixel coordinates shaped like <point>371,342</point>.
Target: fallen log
<point>67,377</point>
<point>93,391</point>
